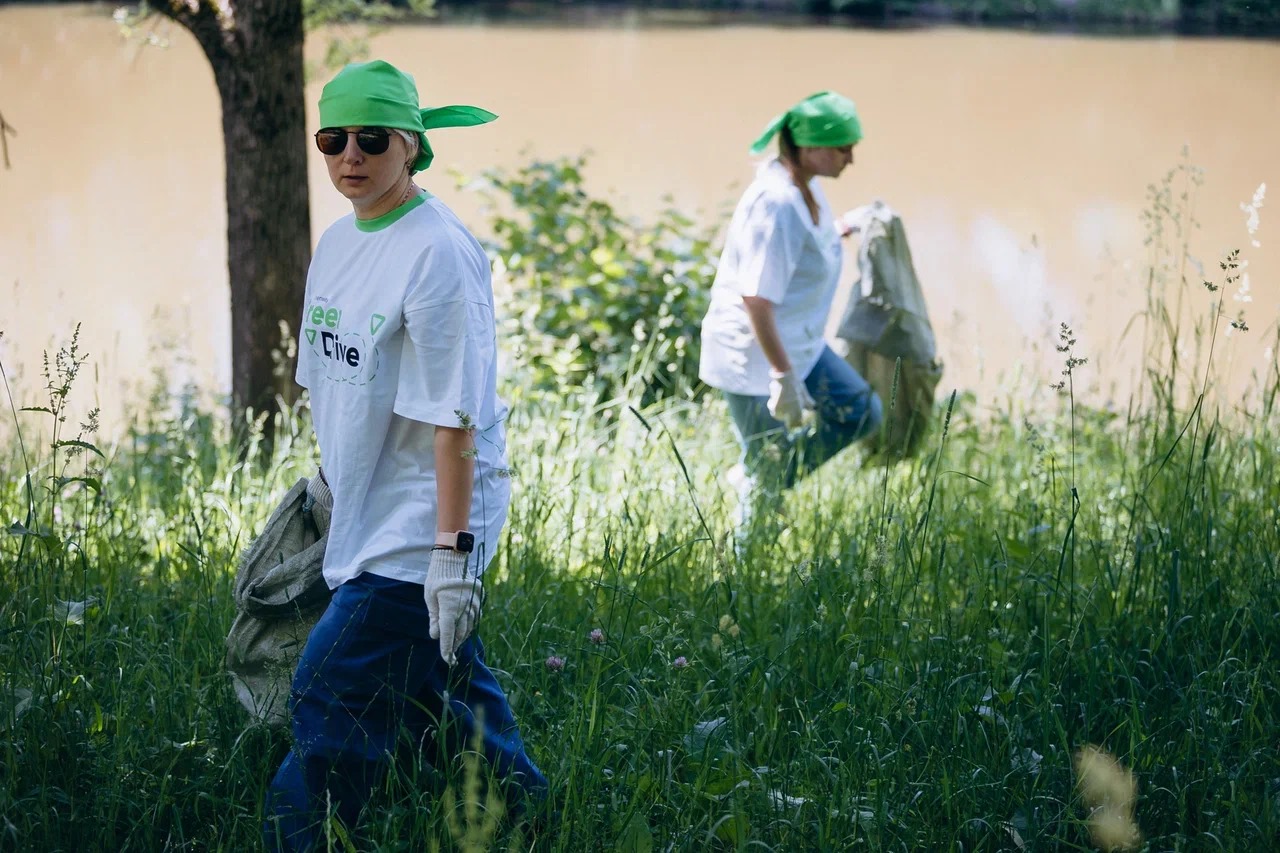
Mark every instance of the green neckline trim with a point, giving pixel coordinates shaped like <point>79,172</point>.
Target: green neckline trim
<point>386,220</point>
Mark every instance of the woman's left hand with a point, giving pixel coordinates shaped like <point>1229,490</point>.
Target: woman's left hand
<point>453,601</point>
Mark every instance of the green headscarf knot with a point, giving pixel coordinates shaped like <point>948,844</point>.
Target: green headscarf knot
<point>377,94</point>
<point>824,120</point>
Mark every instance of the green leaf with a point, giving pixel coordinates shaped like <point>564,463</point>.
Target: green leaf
<point>646,786</point>
<point>14,702</point>
<point>733,829</point>
<point>707,736</point>
<point>81,444</point>
<point>635,836</point>
<point>19,529</point>
<point>721,785</point>
<point>92,482</point>
<point>1017,550</point>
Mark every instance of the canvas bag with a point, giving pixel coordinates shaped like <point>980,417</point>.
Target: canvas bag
<point>886,319</point>
<point>280,593</point>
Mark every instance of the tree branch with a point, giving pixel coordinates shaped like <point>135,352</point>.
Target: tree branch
<point>211,23</point>
<point>6,130</point>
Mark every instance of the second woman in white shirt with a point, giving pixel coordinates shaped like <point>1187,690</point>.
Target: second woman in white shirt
<point>762,337</point>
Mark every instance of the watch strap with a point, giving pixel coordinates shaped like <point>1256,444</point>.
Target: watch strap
<point>460,540</point>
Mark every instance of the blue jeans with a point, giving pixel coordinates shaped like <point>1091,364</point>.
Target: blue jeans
<point>371,681</point>
<point>847,410</point>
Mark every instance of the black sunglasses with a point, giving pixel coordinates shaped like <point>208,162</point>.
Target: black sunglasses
<point>372,140</point>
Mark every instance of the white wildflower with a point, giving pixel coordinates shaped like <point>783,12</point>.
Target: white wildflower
<point>1252,220</point>
<point>1242,295</point>
<point>782,801</point>
<point>986,709</point>
<point>72,612</point>
<point>1027,761</point>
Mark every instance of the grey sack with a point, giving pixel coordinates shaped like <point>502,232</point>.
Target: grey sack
<point>884,320</point>
<point>280,593</point>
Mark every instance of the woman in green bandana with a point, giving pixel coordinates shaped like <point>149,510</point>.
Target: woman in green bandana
<point>398,352</point>
<point>794,402</point>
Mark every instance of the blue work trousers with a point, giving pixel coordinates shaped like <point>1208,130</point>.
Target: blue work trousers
<point>371,684</point>
<point>847,410</point>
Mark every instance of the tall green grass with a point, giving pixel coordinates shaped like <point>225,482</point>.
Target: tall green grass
<point>910,660</point>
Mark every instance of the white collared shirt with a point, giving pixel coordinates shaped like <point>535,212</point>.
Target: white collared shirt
<point>775,251</point>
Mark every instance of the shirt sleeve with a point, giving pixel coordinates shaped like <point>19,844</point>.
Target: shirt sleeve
<point>449,347</point>
<point>300,370</point>
<point>769,244</point>
<point>299,374</point>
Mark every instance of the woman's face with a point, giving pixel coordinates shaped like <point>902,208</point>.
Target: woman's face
<point>368,179</point>
<point>825,162</point>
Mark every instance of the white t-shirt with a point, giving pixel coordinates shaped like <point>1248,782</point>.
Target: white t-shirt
<point>775,251</point>
<point>397,337</point>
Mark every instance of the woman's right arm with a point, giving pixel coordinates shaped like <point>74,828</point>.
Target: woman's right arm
<point>769,240</point>
<point>760,312</point>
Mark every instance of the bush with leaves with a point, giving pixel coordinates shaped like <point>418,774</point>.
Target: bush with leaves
<point>594,300</point>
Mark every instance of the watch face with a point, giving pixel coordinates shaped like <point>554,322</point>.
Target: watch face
<point>466,542</point>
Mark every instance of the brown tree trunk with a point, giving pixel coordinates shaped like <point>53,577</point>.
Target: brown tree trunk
<point>256,55</point>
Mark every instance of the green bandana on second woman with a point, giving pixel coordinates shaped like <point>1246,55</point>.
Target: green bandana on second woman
<point>824,120</point>
<point>377,94</point>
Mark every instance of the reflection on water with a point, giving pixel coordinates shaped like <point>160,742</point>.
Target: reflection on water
<point>1019,164</point>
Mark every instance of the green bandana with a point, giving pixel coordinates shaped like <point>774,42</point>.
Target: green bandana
<point>824,120</point>
<point>377,94</point>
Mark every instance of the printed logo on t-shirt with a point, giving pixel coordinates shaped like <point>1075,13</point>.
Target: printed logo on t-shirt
<point>348,354</point>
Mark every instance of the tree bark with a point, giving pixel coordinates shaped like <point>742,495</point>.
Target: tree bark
<point>255,50</point>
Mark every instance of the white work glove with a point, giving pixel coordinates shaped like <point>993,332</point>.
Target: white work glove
<point>453,600</point>
<point>789,400</point>
<point>851,222</point>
